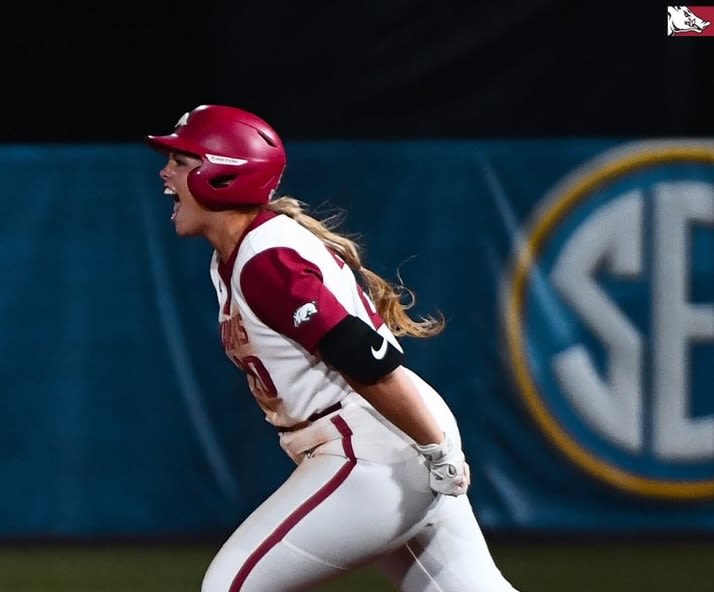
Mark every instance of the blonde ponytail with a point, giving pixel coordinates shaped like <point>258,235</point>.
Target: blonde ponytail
<point>392,300</point>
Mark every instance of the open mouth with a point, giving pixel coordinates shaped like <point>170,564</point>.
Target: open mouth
<point>177,201</point>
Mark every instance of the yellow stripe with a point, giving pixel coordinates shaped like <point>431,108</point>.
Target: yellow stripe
<point>514,331</point>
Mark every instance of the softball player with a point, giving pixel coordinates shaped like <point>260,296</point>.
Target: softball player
<point>380,472</point>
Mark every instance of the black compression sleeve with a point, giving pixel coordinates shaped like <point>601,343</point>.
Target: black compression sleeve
<point>358,351</point>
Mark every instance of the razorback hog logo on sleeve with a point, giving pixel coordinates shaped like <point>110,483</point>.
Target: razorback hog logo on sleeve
<point>304,313</point>
<point>680,19</point>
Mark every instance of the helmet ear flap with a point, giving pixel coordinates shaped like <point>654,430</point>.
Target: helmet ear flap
<point>212,185</point>
<point>222,181</point>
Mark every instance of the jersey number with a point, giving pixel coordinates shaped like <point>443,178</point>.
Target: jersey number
<point>235,339</point>
<point>258,377</point>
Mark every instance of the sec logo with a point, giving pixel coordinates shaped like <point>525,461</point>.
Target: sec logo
<point>609,318</point>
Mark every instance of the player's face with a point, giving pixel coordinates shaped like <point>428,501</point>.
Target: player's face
<point>188,215</point>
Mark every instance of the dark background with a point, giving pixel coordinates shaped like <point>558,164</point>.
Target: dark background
<point>375,69</point>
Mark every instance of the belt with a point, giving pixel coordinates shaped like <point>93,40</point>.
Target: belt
<point>314,417</point>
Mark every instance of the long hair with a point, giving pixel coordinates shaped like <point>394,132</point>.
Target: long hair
<point>391,300</point>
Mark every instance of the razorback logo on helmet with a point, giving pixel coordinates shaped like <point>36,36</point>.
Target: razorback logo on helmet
<point>183,120</point>
<point>304,313</point>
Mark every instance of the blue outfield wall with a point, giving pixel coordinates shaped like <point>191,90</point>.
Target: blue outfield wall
<point>577,277</point>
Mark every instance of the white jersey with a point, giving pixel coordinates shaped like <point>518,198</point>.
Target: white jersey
<point>281,291</point>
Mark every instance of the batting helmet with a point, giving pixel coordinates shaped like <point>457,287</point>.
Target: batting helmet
<point>243,157</point>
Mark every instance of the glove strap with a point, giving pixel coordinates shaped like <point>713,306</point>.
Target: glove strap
<point>435,452</point>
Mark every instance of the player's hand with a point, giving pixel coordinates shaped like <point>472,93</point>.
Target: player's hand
<point>448,471</point>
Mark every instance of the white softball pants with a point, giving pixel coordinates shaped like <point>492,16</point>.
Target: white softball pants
<point>339,510</point>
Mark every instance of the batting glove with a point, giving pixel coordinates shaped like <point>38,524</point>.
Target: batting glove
<point>448,471</point>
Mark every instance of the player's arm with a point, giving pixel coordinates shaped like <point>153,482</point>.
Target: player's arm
<point>373,368</point>
<point>396,398</point>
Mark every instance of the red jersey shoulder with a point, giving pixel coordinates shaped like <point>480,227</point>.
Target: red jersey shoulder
<point>287,293</point>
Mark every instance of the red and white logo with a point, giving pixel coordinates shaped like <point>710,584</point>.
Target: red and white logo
<point>690,21</point>
<point>304,312</point>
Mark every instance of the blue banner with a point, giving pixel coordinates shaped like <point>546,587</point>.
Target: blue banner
<point>576,276</point>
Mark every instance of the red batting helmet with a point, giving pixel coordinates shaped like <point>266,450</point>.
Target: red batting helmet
<point>243,157</point>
